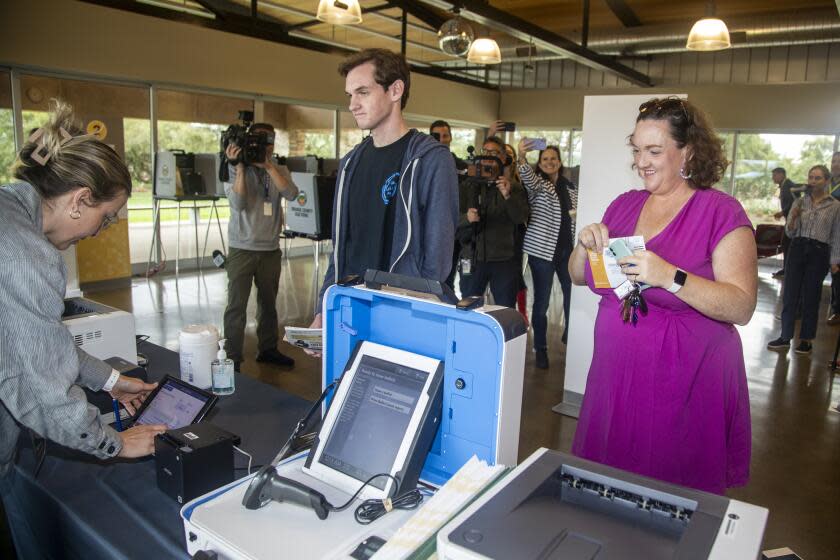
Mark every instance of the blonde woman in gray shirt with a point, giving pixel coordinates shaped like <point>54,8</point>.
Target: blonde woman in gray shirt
<point>71,187</point>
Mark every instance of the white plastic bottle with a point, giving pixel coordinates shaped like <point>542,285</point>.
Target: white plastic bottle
<point>222,371</point>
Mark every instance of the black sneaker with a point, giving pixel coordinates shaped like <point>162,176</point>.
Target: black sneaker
<point>803,348</point>
<point>274,356</point>
<point>778,344</point>
<point>779,273</point>
<point>542,359</point>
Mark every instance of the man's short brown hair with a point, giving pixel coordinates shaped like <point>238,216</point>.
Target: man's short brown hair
<point>388,68</point>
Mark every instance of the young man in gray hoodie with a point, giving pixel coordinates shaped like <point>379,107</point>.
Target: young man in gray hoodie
<point>396,204</point>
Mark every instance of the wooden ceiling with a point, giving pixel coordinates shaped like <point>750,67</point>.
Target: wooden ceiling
<point>565,16</point>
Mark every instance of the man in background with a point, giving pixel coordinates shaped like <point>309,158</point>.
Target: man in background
<point>254,192</point>
<point>442,132</point>
<point>786,198</point>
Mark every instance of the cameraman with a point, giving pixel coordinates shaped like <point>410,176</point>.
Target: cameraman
<point>493,207</point>
<point>254,239</point>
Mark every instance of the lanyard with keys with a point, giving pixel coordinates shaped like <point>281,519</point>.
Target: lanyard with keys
<point>633,304</point>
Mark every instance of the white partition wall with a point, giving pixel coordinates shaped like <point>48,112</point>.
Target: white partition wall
<point>605,173</point>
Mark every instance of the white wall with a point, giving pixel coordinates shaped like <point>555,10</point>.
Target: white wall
<point>604,174</point>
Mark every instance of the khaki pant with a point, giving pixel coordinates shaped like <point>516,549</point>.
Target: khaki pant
<point>263,269</point>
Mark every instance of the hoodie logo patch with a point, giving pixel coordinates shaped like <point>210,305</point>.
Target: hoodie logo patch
<point>389,187</point>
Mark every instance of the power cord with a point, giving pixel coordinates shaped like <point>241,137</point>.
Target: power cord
<point>250,458</point>
<point>372,509</point>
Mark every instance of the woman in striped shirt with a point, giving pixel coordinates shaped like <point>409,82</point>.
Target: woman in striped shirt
<point>549,239</point>
<point>814,228</point>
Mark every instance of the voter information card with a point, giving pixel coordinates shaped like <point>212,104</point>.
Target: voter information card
<point>311,339</point>
<point>606,272</point>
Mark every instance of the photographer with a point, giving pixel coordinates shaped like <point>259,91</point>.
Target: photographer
<point>492,208</point>
<point>549,239</point>
<point>254,193</point>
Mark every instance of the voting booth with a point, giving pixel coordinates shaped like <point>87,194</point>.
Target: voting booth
<point>310,213</point>
<point>408,326</point>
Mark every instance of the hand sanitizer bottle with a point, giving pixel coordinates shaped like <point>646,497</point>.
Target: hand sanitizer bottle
<point>222,371</point>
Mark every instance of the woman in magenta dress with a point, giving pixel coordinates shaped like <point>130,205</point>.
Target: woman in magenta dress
<point>667,397</point>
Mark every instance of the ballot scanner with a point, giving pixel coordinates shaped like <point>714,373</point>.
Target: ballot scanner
<point>481,353</point>
<point>556,506</point>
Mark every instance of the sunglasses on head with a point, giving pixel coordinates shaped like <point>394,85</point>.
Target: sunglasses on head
<point>661,107</point>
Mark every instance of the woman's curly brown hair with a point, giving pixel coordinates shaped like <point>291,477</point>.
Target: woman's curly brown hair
<point>690,127</point>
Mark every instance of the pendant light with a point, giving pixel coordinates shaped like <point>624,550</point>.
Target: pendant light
<point>708,33</point>
<point>339,12</point>
<point>484,51</point>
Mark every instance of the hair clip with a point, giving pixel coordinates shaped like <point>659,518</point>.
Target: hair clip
<point>41,154</point>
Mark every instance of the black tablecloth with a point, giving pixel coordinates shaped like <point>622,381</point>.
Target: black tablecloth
<point>84,508</point>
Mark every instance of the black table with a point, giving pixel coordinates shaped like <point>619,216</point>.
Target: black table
<point>89,509</point>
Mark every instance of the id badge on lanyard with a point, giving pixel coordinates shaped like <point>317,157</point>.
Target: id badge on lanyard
<point>268,208</point>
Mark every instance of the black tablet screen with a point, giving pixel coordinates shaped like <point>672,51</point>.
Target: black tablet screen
<point>372,422</point>
<point>174,405</point>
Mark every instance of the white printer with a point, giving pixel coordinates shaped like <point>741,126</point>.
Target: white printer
<point>100,330</point>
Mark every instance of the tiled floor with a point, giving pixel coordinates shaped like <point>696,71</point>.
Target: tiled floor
<point>796,438</point>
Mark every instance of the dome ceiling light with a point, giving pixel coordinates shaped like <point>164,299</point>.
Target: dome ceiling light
<point>339,12</point>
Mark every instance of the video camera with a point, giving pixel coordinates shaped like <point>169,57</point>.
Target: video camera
<point>482,174</point>
<point>254,144</point>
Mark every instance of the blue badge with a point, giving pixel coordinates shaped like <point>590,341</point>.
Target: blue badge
<point>389,187</point>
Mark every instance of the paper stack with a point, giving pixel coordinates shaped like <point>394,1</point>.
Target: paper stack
<point>416,539</point>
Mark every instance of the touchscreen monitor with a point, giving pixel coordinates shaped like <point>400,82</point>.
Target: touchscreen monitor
<point>385,399</point>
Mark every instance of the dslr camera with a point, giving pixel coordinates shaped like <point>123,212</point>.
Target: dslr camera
<point>254,143</point>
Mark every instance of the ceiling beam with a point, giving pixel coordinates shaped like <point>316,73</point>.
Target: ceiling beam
<point>625,13</point>
<point>526,31</point>
<point>421,12</point>
<point>267,30</point>
<point>223,7</point>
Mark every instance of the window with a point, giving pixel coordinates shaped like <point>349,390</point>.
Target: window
<point>574,149</point>
<point>756,157</point>
<point>7,130</point>
<point>461,139</point>
<point>302,131</point>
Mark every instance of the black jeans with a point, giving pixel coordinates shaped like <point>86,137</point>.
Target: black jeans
<point>543,271</point>
<point>806,267</point>
<point>835,293</point>
<point>503,277</point>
